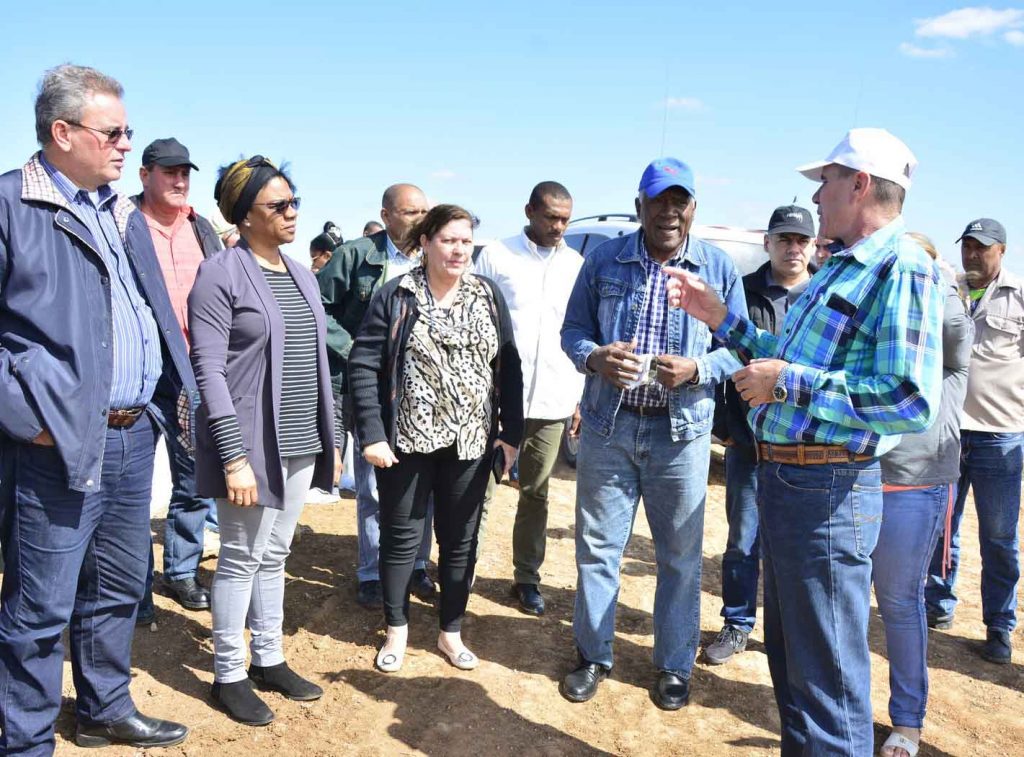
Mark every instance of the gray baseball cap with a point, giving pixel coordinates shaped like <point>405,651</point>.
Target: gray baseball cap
<point>988,231</point>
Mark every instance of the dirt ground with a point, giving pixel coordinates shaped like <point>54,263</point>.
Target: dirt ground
<point>510,704</point>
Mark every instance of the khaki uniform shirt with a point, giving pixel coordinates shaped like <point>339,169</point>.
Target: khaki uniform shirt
<point>995,384</point>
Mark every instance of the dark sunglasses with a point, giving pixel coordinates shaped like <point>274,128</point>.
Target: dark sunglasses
<point>280,206</point>
<point>113,135</point>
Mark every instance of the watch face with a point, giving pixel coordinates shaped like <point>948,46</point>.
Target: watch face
<point>779,393</point>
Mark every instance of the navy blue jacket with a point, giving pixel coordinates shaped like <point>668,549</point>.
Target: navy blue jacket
<point>55,315</point>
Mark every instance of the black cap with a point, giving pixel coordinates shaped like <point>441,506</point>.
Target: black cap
<point>167,152</point>
<point>791,219</point>
<point>988,231</point>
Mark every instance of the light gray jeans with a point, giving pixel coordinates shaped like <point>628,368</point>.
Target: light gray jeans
<point>248,587</point>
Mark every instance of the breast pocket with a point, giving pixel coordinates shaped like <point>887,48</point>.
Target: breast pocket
<point>837,322</point>
<point>610,293</point>
<point>1001,337</point>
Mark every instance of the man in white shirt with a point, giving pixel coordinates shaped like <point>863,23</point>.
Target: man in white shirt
<point>535,271</point>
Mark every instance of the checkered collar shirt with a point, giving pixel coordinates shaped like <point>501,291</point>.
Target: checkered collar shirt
<point>864,347</point>
<point>652,328</point>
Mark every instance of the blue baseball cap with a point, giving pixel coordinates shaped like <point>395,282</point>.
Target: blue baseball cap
<point>663,173</point>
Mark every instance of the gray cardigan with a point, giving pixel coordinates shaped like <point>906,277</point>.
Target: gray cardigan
<point>932,457</point>
<point>237,354</point>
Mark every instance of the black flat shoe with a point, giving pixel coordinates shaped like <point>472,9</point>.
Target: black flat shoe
<point>284,680</point>
<point>240,702</point>
<point>529,597</point>
<point>581,684</point>
<point>671,692</point>
<point>135,730</point>
<point>188,593</point>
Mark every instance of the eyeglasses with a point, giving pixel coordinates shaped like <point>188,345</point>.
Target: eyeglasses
<point>280,206</point>
<point>113,135</point>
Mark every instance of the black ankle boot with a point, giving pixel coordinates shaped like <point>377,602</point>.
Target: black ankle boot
<point>284,680</point>
<point>242,703</point>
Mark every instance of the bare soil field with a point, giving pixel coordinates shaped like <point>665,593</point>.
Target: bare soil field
<point>510,704</point>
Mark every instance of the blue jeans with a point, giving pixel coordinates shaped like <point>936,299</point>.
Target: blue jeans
<point>911,525</point>
<point>741,564</point>
<point>639,460</point>
<point>819,525</point>
<point>78,558</point>
<point>992,464</point>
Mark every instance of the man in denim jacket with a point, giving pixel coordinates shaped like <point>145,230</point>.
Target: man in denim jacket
<point>647,410</point>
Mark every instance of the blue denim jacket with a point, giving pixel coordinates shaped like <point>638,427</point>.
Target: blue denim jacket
<point>605,307</point>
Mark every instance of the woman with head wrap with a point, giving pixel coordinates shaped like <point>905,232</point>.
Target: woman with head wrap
<point>264,428</point>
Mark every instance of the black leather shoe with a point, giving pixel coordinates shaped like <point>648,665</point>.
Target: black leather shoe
<point>145,616</point>
<point>422,585</point>
<point>529,597</point>
<point>136,730</point>
<point>581,684</point>
<point>369,595</point>
<point>188,593</point>
<point>243,704</point>
<point>284,680</point>
<point>671,691</point>
<point>997,647</point>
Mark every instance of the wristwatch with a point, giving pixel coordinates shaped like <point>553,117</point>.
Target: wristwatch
<point>779,393</point>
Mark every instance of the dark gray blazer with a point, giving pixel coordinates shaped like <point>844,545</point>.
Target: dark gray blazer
<point>237,354</point>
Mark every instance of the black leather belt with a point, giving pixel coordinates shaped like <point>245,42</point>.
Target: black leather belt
<point>124,418</point>
<point>646,411</point>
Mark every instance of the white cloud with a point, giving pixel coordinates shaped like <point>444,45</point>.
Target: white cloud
<point>684,103</point>
<point>1015,37</point>
<point>913,51</point>
<point>444,173</point>
<point>969,22</point>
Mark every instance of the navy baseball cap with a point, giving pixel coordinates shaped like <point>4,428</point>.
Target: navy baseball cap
<point>664,173</point>
<point>791,219</point>
<point>167,152</point>
<point>988,231</point>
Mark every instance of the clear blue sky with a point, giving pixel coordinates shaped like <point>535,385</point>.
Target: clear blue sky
<point>476,102</point>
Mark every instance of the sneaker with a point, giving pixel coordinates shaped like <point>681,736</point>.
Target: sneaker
<point>997,646</point>
<point>318,496</point>
<point>940,622</point>
<point>422,585</point>
<point>729,641</point>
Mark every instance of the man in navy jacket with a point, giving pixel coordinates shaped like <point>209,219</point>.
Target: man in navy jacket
<point>89,349</point>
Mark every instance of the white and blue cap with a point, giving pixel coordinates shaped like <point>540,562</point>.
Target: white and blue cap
<point>873,151</point>
<point>663,173</point>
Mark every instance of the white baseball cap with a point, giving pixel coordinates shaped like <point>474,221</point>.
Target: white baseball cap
<point>874,151</point>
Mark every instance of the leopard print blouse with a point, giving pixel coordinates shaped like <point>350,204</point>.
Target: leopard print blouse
<point>447,389</point>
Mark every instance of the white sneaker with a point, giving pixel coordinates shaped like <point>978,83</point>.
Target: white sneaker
<point>320,497</point>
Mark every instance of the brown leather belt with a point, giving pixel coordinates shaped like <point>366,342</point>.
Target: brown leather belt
<point>124,418</point>
<point>807,454</point>
<point>646,411</point>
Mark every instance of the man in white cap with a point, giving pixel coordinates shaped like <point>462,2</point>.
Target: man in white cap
<point>857,364</point>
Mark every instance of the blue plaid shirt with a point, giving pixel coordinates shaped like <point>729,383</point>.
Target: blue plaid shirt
<point>864,343</point>
<point>137,360</point>
<point>652,328</point>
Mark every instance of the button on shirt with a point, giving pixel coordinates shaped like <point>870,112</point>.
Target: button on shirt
<point>179,254</point>
<point>398,263</point>
<point>995,383</point>
<point>536,283</point>
<point>137,359</point>
<point>864,343</point>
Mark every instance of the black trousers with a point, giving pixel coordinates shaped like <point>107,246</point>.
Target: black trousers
<point>458,487</point>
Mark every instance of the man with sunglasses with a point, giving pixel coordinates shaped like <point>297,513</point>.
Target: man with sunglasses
<point>91,355</point>
<point>182,239</point>
<point>348,280</point>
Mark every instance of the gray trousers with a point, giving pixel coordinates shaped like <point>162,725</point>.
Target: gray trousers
<point>248,587</point>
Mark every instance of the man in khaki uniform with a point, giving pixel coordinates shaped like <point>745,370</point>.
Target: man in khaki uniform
<point>992,440</point>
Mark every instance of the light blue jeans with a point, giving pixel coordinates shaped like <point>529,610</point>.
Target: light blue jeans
<point>911,525</point>
<point>640,459</point>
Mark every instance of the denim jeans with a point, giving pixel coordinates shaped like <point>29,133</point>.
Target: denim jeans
<point>72,558</point>
<point>991,463</point>
<point>741,563</point>
<point>640,459</point>
<point>819,525</point>
<point>912,522</point>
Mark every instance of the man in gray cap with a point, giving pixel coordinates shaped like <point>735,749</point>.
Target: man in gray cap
<point>770,291</point>
<point>991,441</point>
<point>183,239</point>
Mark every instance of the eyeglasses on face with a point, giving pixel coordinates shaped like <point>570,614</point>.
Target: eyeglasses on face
<point>280,206</point>
<point>113,135</point>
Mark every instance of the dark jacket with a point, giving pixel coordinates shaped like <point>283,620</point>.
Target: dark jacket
<point>377,364</point>
<point>730,409</point>
<point>55,313</point>
<point>347,284</point>
<point>238,354</point>
<point>209,242</point>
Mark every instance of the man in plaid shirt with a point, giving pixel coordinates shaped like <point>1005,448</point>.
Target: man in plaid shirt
<point>858,363</point>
